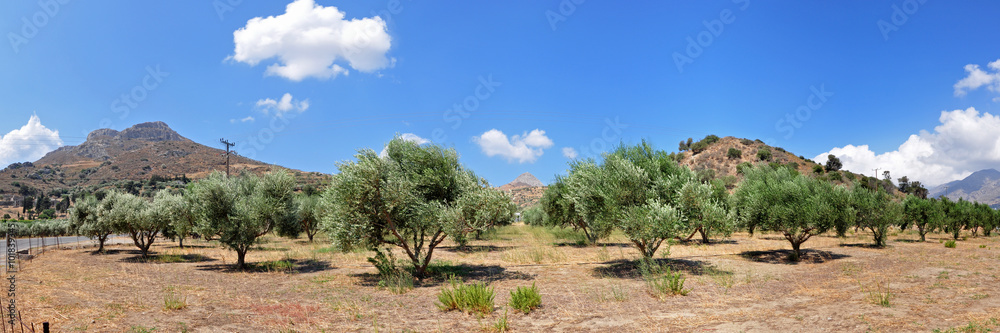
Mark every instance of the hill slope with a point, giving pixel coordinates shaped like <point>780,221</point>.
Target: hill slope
<point>134,154</point>
<point>525,190</point>
<point>982,186</point>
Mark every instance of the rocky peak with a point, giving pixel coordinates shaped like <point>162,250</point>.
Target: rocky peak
<point>528,180</point>
<point>151,131</point>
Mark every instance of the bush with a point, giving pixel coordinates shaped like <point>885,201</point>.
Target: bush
<point>661,281</point>
<point>172,300</point>
<point>740,168</point>
<point>764,154</point>
<point>835,175</point>
<point>734,153</point>
<point>746,142</point>
<point>950,244</point>
<point>699,147</point>
<point>469,298</point>
<point>850,176</point>
<point>818,169</point>
<point>525,299</point>
<point>390,275</point>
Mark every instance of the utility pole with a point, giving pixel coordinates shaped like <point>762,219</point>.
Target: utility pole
<point>228,144</point>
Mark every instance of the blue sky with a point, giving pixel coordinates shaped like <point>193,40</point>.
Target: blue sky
<point>557,74</point>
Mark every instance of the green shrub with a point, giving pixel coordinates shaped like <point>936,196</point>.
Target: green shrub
<point>502,325</point>
<point>835,175</point>
<point>746,142</point>
<point>743,166</point>
<point>698,147</point>
<point>525,299</point>
<point>734,153</point>
<point>660,280</point>
<point>764,154</point>
<point>818,169</point>
<point>950,244</point>
<point>469,298</point>
<point>391,276</point>
<point>850,176</point>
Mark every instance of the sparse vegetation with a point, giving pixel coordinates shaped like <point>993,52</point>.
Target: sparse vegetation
<point>469,298</point>
<point>525,299</point>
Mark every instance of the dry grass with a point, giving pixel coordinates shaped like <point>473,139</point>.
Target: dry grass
<point>743,284</point>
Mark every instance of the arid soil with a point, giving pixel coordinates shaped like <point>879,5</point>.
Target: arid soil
<point>741,283</point>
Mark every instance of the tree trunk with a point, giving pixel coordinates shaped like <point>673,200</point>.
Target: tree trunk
<point>704,236</point>
<point>240,256</point>
<point>310,235</point>
<point>181,241</point>
<point>796,253</point>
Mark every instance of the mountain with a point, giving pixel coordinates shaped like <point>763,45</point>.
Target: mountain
<point>136,154</point>
<point>525,190</point>
<point>524,180</point>
<point>713,160</point>
<point>982,186</point>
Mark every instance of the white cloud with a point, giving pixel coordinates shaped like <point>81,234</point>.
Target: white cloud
<point>282,106</point>
<point>966,141</point>
<point>243,120</point>
<point>569,152</point>
<point>526,147</point>
<point>978,78</point>
<point>29,143</point>
<point>310,40</point>
<point>408,137</point>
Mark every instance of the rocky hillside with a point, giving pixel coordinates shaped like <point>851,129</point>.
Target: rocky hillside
<point>525,190</point>
<point>982,186</point>
<point>138,153</point>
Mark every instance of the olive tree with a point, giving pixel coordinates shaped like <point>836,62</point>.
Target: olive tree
<point>925,214</point>
<point>481,208</point>
<point>132,215</point>
<point>410,199</point>
<point>704,207</point>
<point>85,219</point>
<point>241,209</point>
<point>775,199</point>
<point>876,211</point>
<point>560,208</point>
<point>306,218</point>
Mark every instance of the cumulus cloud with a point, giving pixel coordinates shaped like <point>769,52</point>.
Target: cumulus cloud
<point>29,143</point>
<point>281,106</point>
<point>569,152</point>
<point>408,137</point>
<point>966,141</point>
<point>977,78</point>
<point>523,148</point>
<point>310,40</point>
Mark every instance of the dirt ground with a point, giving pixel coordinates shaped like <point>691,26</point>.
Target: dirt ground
<point>738,284</point>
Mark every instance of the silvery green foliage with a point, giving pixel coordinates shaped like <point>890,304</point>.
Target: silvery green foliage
<point>239,210</point>
<point>876,211</point>
<point>306,218</point>
<point>641,191</point>
<point>173,214</point>
<point>480,208</point>
<point>132,215</point>
<point>925,214</point>
<point>775,199</point>
<point>560,210</point>
<point>413,198</point>
<point>84,217</point>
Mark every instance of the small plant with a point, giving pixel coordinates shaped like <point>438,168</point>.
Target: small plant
<point>880,295</point>
<point>525,299</point>
<point>141,329</point>
<point>502,325</point>
<point>950,244</point>
<point>661,281</point>
<point>391,276</point>
<point>469,298</point>
<point>173,300</point>
<point>277,266</point>
<point>982,246</point>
